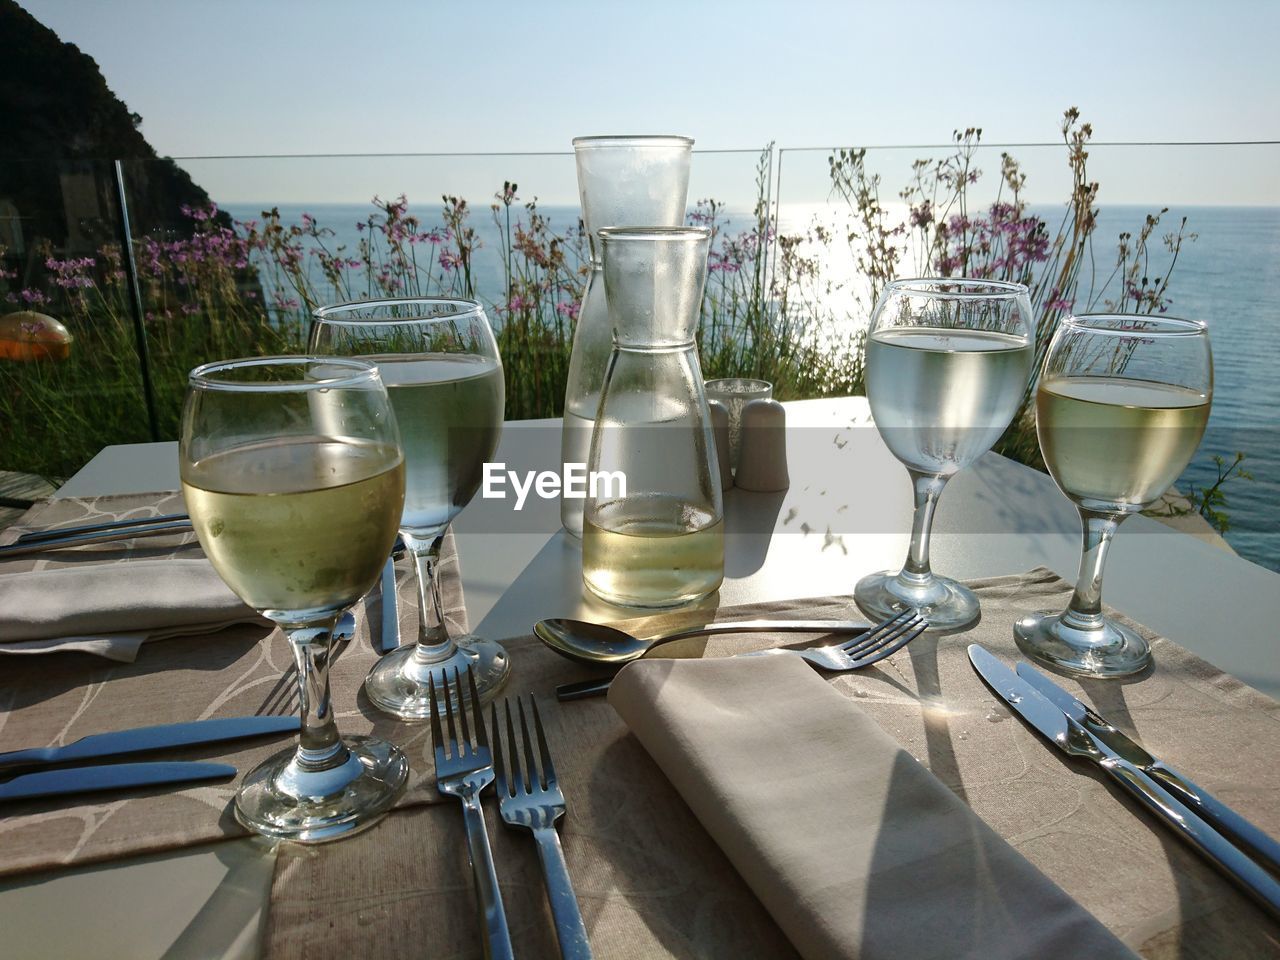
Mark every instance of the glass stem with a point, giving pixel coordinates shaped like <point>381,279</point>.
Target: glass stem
<point>319,745</point>
<point>1085,610</point>
<point>434,642</point>
<point>928,489</point>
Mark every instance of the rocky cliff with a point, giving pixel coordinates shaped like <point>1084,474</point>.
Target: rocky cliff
<point>61,128</point>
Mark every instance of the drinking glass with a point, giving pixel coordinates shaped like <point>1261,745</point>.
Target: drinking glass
<point>948,361</point>
<point>440,362</point>
<point>294,479</point>
<point>1120,408</point>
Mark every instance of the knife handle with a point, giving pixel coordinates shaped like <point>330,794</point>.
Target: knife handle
<point>1258,844</point>
<point>1229,859</point>
<point>582,689</point>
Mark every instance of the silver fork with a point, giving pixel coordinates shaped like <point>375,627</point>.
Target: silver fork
<point>531,798</point>
<point>881,641</point>
<point>463,770</point>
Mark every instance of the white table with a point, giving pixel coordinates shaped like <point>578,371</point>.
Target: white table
<point>996,518</point>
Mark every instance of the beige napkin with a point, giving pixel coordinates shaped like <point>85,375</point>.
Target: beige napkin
<point>111,609</point>
<point>854,848</point>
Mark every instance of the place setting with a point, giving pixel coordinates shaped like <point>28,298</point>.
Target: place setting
<point>280,653</point>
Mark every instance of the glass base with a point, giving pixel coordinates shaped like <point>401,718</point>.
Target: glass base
<point>944,603</point>
<point>1105,650</point>
<point>399,683</point>
<point>283,800</point>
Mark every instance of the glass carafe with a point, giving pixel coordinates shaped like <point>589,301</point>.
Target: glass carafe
<point>659,542</point>
<point>623,181</point>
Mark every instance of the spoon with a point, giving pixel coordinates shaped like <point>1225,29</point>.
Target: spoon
<point>595,643</point>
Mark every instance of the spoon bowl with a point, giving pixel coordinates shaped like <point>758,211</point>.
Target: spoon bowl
<point>585,642</point>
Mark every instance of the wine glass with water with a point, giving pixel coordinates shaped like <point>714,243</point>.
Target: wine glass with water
<point>293,476</point>
<point>948,362</point>
<point>440,362</point>
<point>1120,408</point>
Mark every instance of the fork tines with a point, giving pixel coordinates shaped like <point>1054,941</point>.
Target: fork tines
<point>455,748</point>
<point>887,637</point>
<point>529,777</point>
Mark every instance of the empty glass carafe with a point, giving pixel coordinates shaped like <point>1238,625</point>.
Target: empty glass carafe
<point>623,181</point>
<point>653,530</point>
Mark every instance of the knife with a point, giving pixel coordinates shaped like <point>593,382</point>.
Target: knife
<point>58,533</point>
<point>23,548</point>
<point>390,608</point>
<point>123,742</point>
<point>1073,739</point>
<point>1260,846</point>
<point>113,776</point>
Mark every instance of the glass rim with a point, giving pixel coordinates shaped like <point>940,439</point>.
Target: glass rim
<point>641,140</point>
<point>752,383</point>
<point>1097,323</point>
<point>973,288</point>
<point>331,312</point>
<point>359,372</point>
<point>654,233</point>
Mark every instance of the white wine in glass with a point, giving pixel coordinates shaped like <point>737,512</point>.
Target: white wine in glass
<point>440,362</point>
<point>294,479</point>
<point>1120,409</point>
<point>948,361</point>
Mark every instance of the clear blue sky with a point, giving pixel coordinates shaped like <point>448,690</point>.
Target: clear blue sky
<point>314,76</point>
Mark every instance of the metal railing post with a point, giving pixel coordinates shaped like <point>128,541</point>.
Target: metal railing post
<point>139,315</point>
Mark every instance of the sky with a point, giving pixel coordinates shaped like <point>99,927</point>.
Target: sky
<point>253,77</point>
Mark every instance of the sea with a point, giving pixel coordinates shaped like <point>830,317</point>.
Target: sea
<point>1228,276</point>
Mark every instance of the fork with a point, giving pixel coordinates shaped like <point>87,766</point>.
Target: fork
<point>881,641</point>
<point>533,800</point>
<point>463,770</point>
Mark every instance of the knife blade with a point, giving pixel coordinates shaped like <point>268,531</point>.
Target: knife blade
<point>1258,844</point>
<point>114,776</point>
<point>390,608</point>
<point>1073,739</point>
<point>142,739</point>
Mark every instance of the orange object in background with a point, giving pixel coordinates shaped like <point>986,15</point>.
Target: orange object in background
<point>27,335</point>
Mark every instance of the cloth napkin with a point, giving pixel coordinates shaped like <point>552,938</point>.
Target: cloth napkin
<point>111,609</point>
<point>856,850</point>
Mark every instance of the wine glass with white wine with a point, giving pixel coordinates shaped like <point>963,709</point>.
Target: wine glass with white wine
<point>294,479</point>
<point>1120,408</point>
<point>440,362</point>
<point>948,360</point>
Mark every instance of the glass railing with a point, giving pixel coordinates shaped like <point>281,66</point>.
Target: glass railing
<point>1187,230</point>
<point>70,370</point>
<point>806,237</point>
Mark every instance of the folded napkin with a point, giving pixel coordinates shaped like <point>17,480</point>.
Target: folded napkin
<point>854,848</point>
<point>111,609</point>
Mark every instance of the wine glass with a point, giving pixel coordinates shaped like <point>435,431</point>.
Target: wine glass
<point>1120,408</point>
<point>294,479</point>
<point>948,361</point>
<point>440,362</point>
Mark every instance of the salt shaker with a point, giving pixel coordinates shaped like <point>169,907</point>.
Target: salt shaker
<point>720,428</point>
<point>762,457</point>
